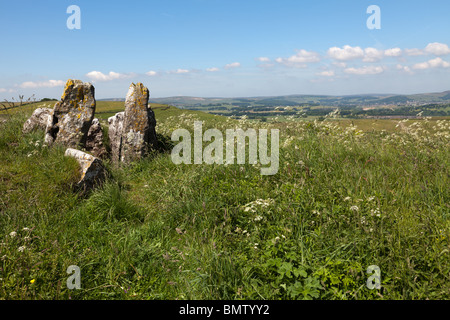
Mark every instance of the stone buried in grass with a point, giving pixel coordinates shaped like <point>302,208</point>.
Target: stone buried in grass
<point>38,120</point>
<point>92,169</point>
<point>72,115</point>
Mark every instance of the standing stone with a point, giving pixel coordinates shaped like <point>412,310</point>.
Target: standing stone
<point>72,115</point>
<point>138,133</point>
<point>94,140</point>
<point>91,169</point>
<point>38,120</point>
<point>115,136</point>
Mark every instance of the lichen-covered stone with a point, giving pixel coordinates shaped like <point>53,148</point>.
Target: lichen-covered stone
<point>138,133</point>
<point>38,120</point>
<point>94,140</point>
<point>72,115</point>
<point>115,136</point>
<point>92,170</point>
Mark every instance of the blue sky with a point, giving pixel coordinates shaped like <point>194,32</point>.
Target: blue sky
<point>225,48</point>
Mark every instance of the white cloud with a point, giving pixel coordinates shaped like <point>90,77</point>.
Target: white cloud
<point>346,53</point>
<point>42,84</point>
<point>393,52</point>
<point>99,76</point>
<point>263,59</point>
<point>433,63</point>
<point>3,90</point>
<point>328,73</point>
<point>212,69</point>
<point>232,65</point>
<point>372,55</point>
<point>438,49</point>
<point>300,59</point>
<point>151,73</point>
<point>181,71</point>
<point>414,52</point>
<point>404,68</point>
<point>340,64</point>
<point>434,48</point>
<point>365,70</point>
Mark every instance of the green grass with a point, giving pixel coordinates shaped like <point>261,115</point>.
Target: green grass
<point>343,200</point>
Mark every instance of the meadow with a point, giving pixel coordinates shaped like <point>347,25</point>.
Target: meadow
<point>349,194</point>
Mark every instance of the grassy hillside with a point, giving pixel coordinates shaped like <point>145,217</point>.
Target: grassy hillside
<point>345,198</point>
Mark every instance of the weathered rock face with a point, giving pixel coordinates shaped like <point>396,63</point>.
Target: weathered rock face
<point>115,136</point>
<point>132,132</point>
<point>92,169</point>
<point>72,115</point>
<point>39,120</point>
<point>94,140</point>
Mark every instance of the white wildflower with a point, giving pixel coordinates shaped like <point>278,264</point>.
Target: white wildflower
<point>354,208</point>
<point>13,234</point>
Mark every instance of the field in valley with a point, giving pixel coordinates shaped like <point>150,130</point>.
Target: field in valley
<point>349,194</point>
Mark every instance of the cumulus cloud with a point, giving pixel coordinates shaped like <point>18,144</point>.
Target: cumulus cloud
<point>340,64</point>
<point>327,73</point>
<point>393,52</point>
<point>345,53</point>
<point>179,71</point>
<point>151,73</point>
<point>437,49</point>
<point>433,63</point>
<point>232,65</point>
<point>42,84</point>
<point>212,69</point>
<point>263,59</point>
<point>300,59</point>
<point>372,55</point>
<point>99,76</point>
<point>404,68</point>
<point>369,54</point>
<point>414,52</point>
<point>365,70</point>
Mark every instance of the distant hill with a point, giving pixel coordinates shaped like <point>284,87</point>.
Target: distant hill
<point>296,99</point>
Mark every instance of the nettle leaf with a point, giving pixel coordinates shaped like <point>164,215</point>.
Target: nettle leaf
<point>300,272</point>
<point>273,262</point>
<point>295,290</point>
<point>312,286</point>
<point>285,269</point>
